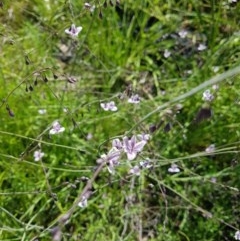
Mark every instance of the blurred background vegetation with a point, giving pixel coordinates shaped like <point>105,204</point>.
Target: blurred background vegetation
<point>122,49</point>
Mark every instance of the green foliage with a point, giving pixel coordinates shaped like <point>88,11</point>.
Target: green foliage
<point>120,51</point>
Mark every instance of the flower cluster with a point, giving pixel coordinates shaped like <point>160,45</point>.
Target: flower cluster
<point>111,106</point>
<point>130,147</point>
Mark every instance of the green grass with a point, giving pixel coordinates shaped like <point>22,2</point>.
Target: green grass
<point>119,52</point>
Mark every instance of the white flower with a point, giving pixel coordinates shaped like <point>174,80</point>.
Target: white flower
<point>215,69</point>
<point>134,99</point>
<point>89,7</point>
<point>183,33</point>
<point>237,235</point>
<point>135,171</point>
<point>210,148</point>
<point>110,106</point>
<point>73,31</point>
<point>92,8</point>
<point>132,147</point>
<point>174,168</point>
<point>213,180</point>
<point>56,128</point>
<point>166,53</point>
<point>207,96</point>
<point>89,136</point>
<point>201,47</point>
<point>83,202</point>
<point>215,87</point>
<point>143,137</point>
<point>42,111</point>
<point>38,155</point>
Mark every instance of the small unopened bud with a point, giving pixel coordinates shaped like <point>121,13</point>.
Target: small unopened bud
<point>11,41</point>
<point>27,60</point>
<point>55,76</point>
<point>1,4</point>
<point>100,15</point>
<point>30,88</point>
<point>105,4</point>
<point>152,128</point>
<point>71,80</point>
<point>84,179</point>
<point>10,112</point>
<point>35,82</point>
<point>74,123</point>
<point>45,79</point>
<point>111,3</point>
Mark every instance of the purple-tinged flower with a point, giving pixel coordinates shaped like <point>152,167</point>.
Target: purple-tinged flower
<point>56,128</point>
<point>174,168</point>
<point>237,235</point>
<point>135,171</point>
<point>38,155</point>
<point>73,31</point>
<point>42,111</point>
<point>207,96</point>
<point>111,159</point>
<point>110,106</point>
<point>132,147</point>
<point>201,47</point>
<point>134,99</point>
<point>117,143</point>
<point>210,149</point>
<point>146,164</point>
<point>113,156</point>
